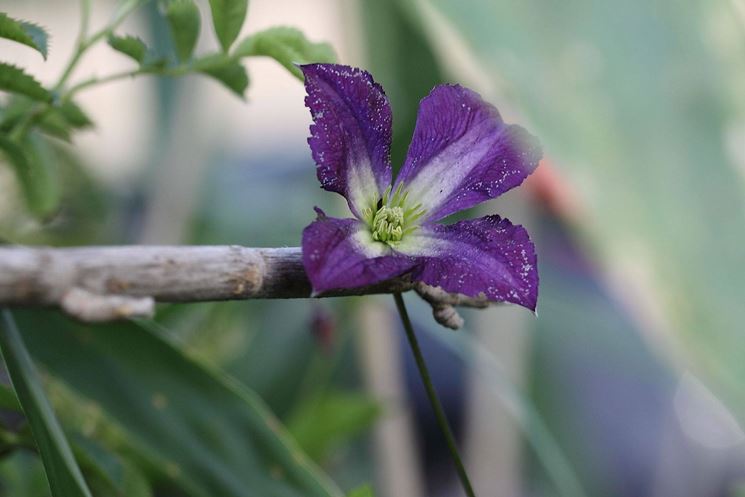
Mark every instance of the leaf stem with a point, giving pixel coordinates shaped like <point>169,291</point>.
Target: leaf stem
<point>105,79</point>
<point>84,42</point>
<point>85,17</point>
<point>442,421</point>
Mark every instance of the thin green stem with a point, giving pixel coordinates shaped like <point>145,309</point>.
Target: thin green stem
<point>442,421</point>
<point>84,42</point>
<point>80,44</point>
<point>98,81</point>
<point>85,17</point>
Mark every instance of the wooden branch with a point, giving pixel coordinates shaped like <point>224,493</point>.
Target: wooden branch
<point>97,284</point>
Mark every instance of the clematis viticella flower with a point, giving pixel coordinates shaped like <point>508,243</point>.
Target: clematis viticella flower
<point>461,154</point>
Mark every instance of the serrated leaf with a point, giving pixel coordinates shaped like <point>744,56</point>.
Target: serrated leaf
<point>287,46</point>
<point>227,70</point>
<point>14,80</point>
<point>53,124</point>
<point>27,33</point>
<point>58,120</point>
<point>129,45</point>
<point>16,108</point>
<point>184,22</point>
<point>227,18</point>
<point>74,115</point>
<point>33,166</point>
<point>40,37</point>
<point>63,473</point>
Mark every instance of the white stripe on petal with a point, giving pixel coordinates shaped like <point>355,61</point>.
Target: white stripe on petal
<point>446,172</point>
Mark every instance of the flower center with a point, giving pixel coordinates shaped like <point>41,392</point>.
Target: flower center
<point>388,224</point>
<point>392,218</point>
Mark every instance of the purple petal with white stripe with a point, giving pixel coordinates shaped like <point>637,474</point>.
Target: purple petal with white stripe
<point>488,255</point>
<point>462,153</point>
<point>340,253</point>
<point>351,132</point>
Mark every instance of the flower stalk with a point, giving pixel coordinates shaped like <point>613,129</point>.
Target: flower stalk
<point>434,401</point>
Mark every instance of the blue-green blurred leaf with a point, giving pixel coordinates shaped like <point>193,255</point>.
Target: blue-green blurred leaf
<point>227,18</point>
<point>210,434</point>
<point>63,473</point>
<point>24,32</point>
<point>286,45</point>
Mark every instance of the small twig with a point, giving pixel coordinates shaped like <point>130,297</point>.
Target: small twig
<point>107,283</point>
<point>443,304</point>
<point>93,308</point>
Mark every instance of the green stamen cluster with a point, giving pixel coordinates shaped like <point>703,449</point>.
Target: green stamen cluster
<point>388,224</point>
<point>392,219</point>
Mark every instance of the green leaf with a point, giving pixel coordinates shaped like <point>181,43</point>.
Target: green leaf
<point>57,121</point>
<point>330,418</point>
<point>286,45</point>
<point>209,434</point>
<point>129,45</point>
<point>8,399</point>
<point>23,32</point>
<point>60,121</point>
<point>14,80</point>
<point>16,108</point>
<point>227,18</point>
<point>53,124</point>
<point>32,163</point>
<point>63,473</point>
<point>108,473</point>
<point>184,21</point>
<point>362,491</point>
<point>74,115</point>
<point>22,474</point>
<point>227,70</point>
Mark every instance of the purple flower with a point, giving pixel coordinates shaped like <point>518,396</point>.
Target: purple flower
<point>462,153</point>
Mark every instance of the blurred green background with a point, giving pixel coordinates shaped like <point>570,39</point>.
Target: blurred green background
<point>626,383</point>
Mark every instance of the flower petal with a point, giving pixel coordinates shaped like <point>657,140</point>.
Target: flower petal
<point>462,153</point>
<point>340,253</point>
<point>488,255</point>
<point>351,135</point>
